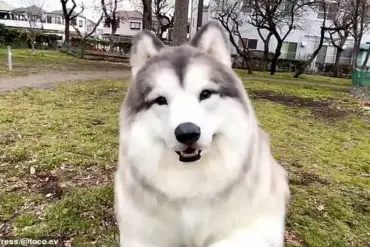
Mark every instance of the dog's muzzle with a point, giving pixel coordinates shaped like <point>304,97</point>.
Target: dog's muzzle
<point>188,134</point>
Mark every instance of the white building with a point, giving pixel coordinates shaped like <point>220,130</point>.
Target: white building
<point>33,17</point>
<point>299,44</point>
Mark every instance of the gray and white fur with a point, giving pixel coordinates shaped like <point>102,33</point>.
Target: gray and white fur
<point>195,169</point>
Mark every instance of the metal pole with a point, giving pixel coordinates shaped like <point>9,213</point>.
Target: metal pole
<point>10,62</point>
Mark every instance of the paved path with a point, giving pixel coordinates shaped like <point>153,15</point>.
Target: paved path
<point>46,80</point>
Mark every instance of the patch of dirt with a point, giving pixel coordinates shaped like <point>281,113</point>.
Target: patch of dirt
<point>294,239</point>
<point>46,80</point>
<point>307,178</point>
<point>7,138</point>
<point>72,176</point>
<point>322,109</point>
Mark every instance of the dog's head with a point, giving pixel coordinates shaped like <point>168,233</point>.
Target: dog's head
<point>184,100</point>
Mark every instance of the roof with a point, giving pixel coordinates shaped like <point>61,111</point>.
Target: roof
<point>31,9</point>
<point>129,14</point>
<point>5,6</point>
<point>60,12</point>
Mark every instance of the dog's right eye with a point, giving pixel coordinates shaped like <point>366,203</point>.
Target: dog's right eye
<point>160,101</point>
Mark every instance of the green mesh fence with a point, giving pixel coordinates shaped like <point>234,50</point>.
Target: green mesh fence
<point>361,78</point>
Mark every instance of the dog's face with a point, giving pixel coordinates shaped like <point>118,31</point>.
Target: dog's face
<point>184,99</point>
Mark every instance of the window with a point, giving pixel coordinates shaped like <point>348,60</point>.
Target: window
<point>251,44</point>
<point>74,21</point>
<point>80,23</point>
<point>247,6</point>
<point>58,20</point>
<point>288,50</point>
<point>135,25</point>
<point>107,22</point>
<point>48,19</point>
<point>331,11</point>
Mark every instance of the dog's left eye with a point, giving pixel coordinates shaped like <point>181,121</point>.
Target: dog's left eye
<point>205,94</point>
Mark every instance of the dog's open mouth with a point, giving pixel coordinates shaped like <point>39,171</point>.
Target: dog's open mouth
<point>189,155</point>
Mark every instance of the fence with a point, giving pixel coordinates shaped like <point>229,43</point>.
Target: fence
<point>361,78</point>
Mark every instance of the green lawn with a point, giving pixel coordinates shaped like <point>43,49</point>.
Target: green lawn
<point>314,79</point>
<point>58,150</point>
<point>24,62</point>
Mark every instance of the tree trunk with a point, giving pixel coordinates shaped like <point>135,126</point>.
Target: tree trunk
<point>337,61</point>
<point>33,46</point>
<point>83,48</point>
<point>266,51</point>
<point>66,34</point>
<point>276,57</point>
<point>111,38</point>
<point>355,55</point>
<point>180,29</point>
<point>147,14</point>
<point>300,69</point>
<point>364,64</point>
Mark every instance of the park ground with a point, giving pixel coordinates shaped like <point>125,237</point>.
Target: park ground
<point>58,152</point>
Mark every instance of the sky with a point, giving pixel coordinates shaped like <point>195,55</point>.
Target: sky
<point>90,5</point>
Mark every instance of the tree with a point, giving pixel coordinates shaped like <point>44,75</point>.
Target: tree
<point>111,19</point>
<point>358,10</point>
<point>85,36</point>
<point>266,46</point>
<point>338,37</point>
<point>231,17</point>
<point>69,15</point>
<point>162,11</point>
<point>278,17</point>
<point>147,14</point>
<point>34,15</point>
<point>324,6</point>
<point>180,29</point>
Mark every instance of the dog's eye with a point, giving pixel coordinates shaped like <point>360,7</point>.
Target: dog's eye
<point>160,101</point>
<point>205,94</point>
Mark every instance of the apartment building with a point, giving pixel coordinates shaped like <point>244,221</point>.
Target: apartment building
<point>299,44</point>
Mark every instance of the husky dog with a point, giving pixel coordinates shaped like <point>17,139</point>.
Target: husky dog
<point>195,169</point>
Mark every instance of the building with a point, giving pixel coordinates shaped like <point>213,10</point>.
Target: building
<point>129,24</point>
<point>33,17</point>
<point>298,45</point>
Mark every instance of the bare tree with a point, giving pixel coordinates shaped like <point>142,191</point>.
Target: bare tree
<point>162,10</point>
<point>232,17</point>
<point>34,15</point>
<point>358,10</point>
<point>111,19</point>
<point>84,36</point>
<point>323,30</point>
<point>180,29</point>
<point>266,46</point>
<point>69,14</point>
<point>339,36</point>
<point>278,17</point>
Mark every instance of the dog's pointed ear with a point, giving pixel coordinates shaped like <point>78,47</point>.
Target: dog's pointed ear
<point>211,39</point>
<point>144,45</point>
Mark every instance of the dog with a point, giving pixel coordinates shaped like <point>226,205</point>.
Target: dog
<point>194,168</point>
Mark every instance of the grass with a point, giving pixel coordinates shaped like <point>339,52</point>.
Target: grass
<point>24,62</point>
<point>69,135</point>
<point>314,79</point>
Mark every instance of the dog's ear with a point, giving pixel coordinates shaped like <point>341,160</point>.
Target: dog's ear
<point>211,39</point>
<point>144,45</point>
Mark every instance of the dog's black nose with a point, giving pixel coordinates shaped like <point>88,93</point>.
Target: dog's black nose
<point>187,133</point>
